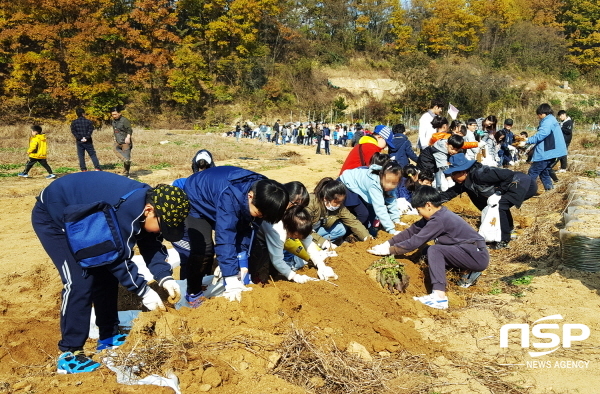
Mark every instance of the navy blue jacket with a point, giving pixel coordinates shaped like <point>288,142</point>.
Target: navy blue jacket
<point>220,196</point>
<point>89,187</point>
<point>403,150</point>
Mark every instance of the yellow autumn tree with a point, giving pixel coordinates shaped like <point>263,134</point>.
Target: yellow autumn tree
<point>403,33</point>
<point>581,21</point>
<point>452,28</point>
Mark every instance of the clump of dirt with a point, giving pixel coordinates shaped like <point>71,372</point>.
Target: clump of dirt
<point>289,153</point>
<point>294,157</point>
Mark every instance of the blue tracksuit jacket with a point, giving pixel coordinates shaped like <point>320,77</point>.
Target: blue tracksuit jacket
<point>220,196</point>
<point>88,187</point>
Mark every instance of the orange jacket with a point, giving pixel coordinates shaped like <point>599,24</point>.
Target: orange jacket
<point>444,136</point>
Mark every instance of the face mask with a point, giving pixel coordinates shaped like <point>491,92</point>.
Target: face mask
<point>331,208</point>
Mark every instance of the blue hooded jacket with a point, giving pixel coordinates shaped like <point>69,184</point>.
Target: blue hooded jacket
<point>220,196</point>
<point>549,140</point>
<point>403,150</point>
<point>89,187</point>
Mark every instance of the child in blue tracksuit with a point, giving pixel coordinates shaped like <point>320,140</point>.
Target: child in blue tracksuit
<point>371,193</point>
<point>144,218</point>
<point>231,201</point>
<point>201,161</point>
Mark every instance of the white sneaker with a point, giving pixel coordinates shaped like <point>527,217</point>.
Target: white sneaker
<point>433,300</point>
<point>562,170</point>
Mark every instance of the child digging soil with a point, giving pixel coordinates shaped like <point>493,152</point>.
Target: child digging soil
<point>457,245</point>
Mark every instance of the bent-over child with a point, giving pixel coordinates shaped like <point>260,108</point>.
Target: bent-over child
<point>231,201</point>
<point>457,245</point>
<point>268,254</point>
<point>330,218</point>
<point>371,193</point>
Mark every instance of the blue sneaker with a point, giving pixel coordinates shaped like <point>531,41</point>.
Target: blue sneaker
<point>195,300</point>
<point>75,362</point>
<point>51,176</point>
<point>23,175</point>
<point>112,342</point>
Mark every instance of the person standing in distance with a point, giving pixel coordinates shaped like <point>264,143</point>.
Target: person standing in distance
<point>549,146</point>
<point>426,130</point>
<point>123,144</point>
<point>566,125</point>
<point>82,128</point>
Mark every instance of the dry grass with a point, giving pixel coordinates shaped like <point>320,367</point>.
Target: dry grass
<point>331,370</point>
<point>490,374</point>
<point>155,355</point>
<point>153,150</point>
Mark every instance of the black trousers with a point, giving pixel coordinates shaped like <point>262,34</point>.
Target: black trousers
<point>363,211</point>
<point>88,147</point>
<point>31,162</point>
<point>202,249</point>
<point>527,188</point>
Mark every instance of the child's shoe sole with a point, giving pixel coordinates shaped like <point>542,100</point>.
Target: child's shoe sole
<point>69,363</point>
<point>111,343</point>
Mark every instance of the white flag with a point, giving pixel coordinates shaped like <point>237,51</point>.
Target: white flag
<point>452,111</point>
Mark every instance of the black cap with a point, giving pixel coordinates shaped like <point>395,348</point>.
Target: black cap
<point>508,122</point>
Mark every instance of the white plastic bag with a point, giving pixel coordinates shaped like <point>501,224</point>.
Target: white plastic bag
<point>490,224</point>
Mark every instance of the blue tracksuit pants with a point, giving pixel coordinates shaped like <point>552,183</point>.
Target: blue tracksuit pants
<point>99,287</point>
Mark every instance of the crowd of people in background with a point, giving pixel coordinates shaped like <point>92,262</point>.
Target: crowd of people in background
<point>301,133</point>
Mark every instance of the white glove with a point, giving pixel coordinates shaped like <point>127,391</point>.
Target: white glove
<point>481,144</point>
<point>381,249</point>
<point>300,278</point>
<point>394,232</point>
<point>234,288</point>
<point>328,245</point>
<point>151,300</point>
<point>404,206</point>
<point>325,272</point>
<point>493,200</point>
<point>173,289</point>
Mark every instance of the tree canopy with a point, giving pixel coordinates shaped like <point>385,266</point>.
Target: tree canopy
<point>188,55</point>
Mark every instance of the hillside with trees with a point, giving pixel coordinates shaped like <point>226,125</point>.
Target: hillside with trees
<point>212,61</point>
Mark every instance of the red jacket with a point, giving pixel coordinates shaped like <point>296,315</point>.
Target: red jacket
<point>354,160</point>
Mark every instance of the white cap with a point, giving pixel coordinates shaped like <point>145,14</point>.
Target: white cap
<point>203,155</point>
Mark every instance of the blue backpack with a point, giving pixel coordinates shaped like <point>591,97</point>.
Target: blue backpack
<point>93,232</point>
